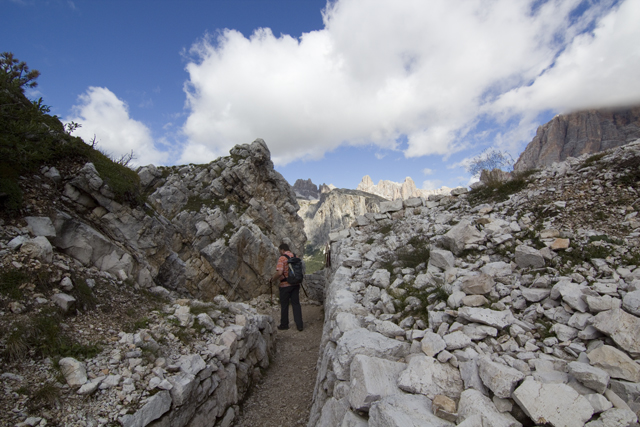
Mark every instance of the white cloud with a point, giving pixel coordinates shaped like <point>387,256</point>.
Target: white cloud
<point>428,71</point>
<point>102,114</point>
<point>428,171</point>
<point>597,69</point>
<point>432,184</point>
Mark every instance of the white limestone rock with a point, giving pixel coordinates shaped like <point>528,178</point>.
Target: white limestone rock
<point>432,344</point>
<point>631,302</point>
<point>497,319</point>
<point>404,411</point>
<point>502,380</point>
<point>371,379</point>
<point>621,326</point>
<point>474,403</point>
<point>457,340</point>
<point>74,372</point>
<point>556,404</point>
<point>590,376</point>
<point>381,278</point>
<point>363,341</point>
<point>617,363</point>
<point>40,226</point>
<point>528,257</point>
<point>425,375</point>
<point>64,301</point>
<point>462,234</point>
<point>441,258</point>
<point>598,402</point>
<point>614,417</point>
<point>571,293</point>
<point>38,248</point>
<point>154,408</point>
<point>477,284</point>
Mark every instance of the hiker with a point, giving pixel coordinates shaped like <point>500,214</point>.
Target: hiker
<point>288,292</point>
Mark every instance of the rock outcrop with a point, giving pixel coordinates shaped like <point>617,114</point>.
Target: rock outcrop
<point>306,189</point>
<point>575,134</point>
<point>516,309</point>
<point>131,296</point>
<point>208,229</point>
<point>393,190</point>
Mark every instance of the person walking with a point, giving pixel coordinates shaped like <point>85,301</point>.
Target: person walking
<point>288,293</point>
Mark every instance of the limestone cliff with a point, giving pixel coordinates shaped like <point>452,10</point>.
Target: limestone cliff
<point>584,132</point>
<point>336,209</point>
<point>306,189</point>
<point>393,190</point>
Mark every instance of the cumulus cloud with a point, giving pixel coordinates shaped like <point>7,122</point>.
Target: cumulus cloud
<point>428,171</point>
<point>427,73</point>
<point>103,115</point>
<point>432,184</point>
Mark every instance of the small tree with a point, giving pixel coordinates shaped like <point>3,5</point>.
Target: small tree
<point>489,160</point>
<point>17,72</point>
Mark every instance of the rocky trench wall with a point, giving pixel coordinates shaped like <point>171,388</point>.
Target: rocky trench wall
<point>202,389</point>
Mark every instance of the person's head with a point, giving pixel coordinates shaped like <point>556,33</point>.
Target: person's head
<point>283,248</point>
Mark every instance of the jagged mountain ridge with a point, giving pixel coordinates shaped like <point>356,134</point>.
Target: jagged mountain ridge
<point>394,191</point>
<point>575,134</point>
<point>335,210</point>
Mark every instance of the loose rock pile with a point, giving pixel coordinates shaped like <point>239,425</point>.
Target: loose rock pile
<point>459,311</point>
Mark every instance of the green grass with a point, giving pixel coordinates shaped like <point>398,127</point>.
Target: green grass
<point>591,160</point>
<point>10,282</point>
<point>44,396</point>
<point>314,259</point>
<point>415,253</point>
<point>43,335</point>
<point>500,191</point>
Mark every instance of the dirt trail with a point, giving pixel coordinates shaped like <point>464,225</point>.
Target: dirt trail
<point>283,397</point>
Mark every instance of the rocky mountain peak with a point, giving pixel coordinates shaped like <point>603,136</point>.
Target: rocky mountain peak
<point>306,189</point>
<point>397,191</point>
<point>583,132</point>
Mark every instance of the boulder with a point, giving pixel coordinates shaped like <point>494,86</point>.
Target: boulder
<point>621,326</point>
<point>372,379</point>
<point>477,285</point>
<point>363,341</point>
<point>590,376</point>
<point>502,380</point>
<point>631,302</point>
<point>556,404</point>
<point>425,375</point>
<point>615,362</point>
<point>497,319</point>
<point>462,234</point>
<point>74,371</point>
<point>528,257</point>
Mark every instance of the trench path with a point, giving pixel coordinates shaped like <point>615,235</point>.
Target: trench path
<point>282,398</point>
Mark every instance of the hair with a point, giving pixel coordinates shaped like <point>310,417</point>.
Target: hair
<point>284,247</point>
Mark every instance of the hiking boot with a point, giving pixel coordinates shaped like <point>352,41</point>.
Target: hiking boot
<point>300,328</point>
<point>282,328</point>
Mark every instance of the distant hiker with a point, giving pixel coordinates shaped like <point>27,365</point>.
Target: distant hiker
<point>288,292</point>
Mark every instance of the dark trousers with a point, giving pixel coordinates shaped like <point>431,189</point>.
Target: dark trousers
<point>290,294</point>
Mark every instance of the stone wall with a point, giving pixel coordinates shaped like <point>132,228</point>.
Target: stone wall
<point>508,312</point>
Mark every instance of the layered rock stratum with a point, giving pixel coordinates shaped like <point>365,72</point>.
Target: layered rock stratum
<point>575,134</point>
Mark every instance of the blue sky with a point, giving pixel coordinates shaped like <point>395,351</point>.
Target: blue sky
<point>338,90</point>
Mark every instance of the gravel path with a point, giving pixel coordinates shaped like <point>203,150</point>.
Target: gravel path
<point>283,396</point>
